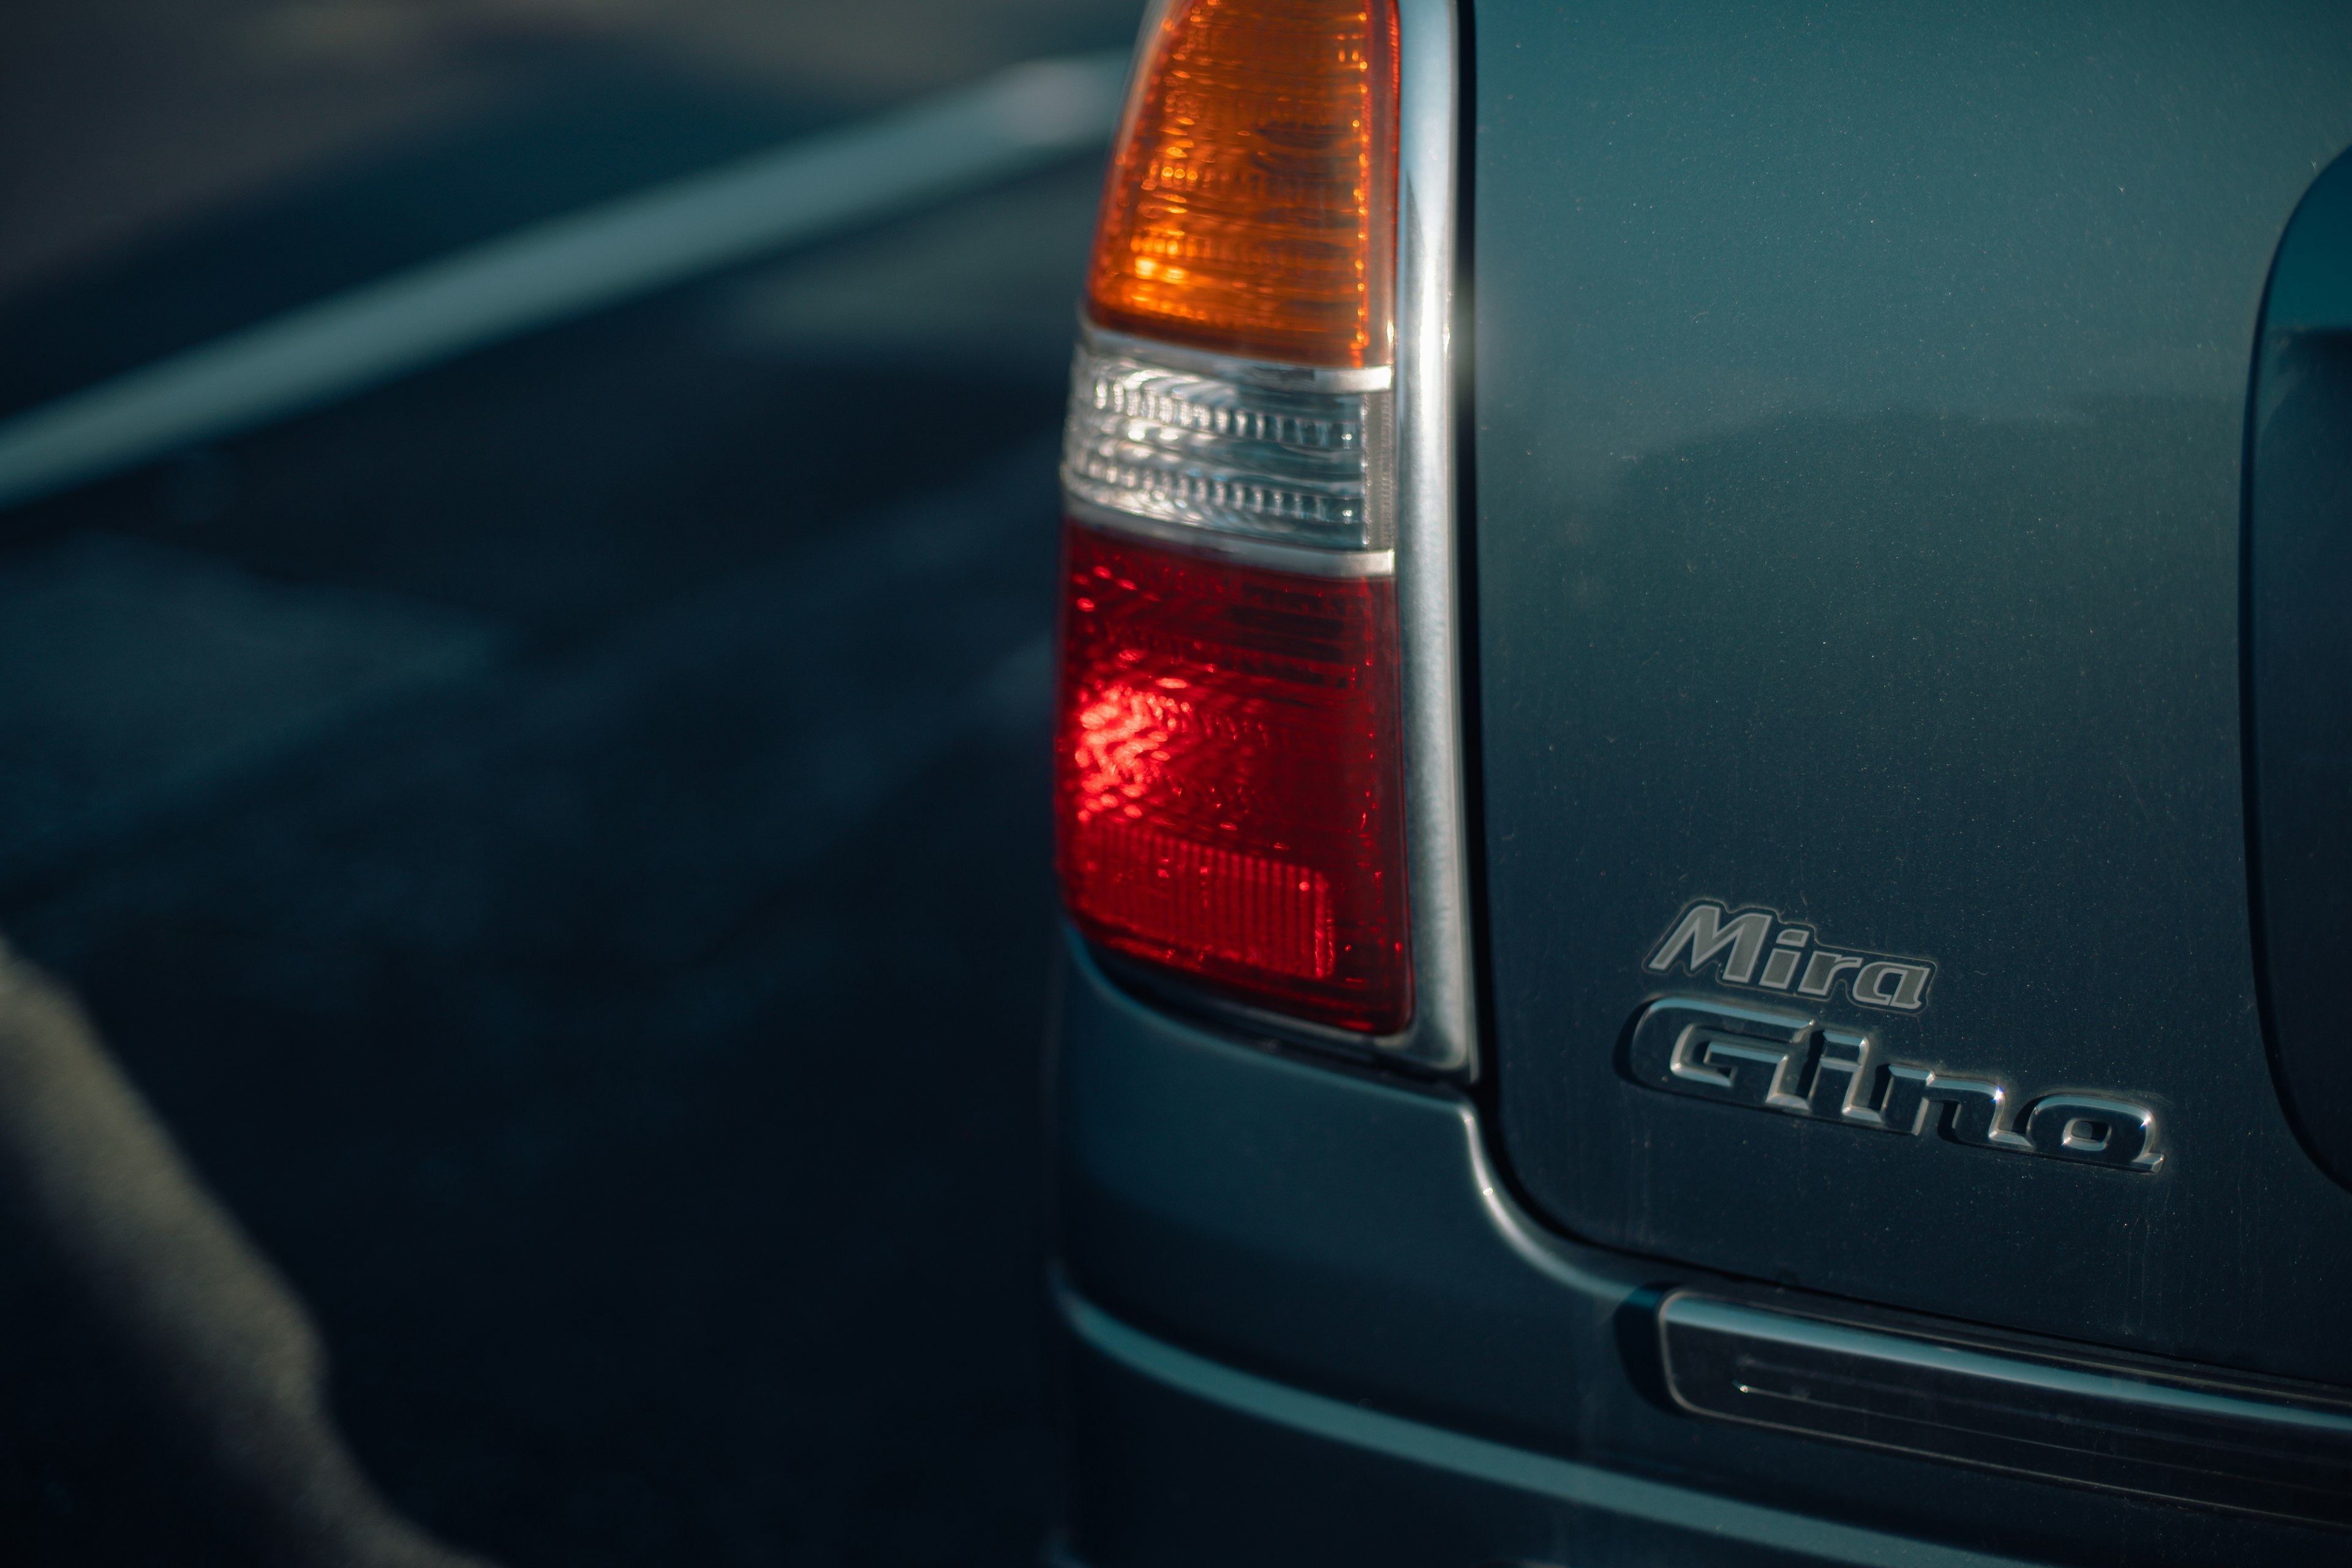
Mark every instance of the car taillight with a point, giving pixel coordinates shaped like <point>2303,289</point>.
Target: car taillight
<point>1228,776</point>
<point>1231,780</point>
<point>1252,195</point>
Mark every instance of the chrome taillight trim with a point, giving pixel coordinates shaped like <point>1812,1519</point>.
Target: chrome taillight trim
<point>1443,1033</point>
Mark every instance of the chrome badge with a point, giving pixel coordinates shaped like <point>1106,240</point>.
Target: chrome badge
<point>1706,935</point>
<point>1768,1058</point>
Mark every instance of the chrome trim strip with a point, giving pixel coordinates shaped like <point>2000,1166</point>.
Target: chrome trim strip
<point>1443,1033</point>
<point>1497,1464</point>
<point>2108,1421</point>
<point>1686,1310</point>
<point>1226,367</point>
<point>1305,560</point>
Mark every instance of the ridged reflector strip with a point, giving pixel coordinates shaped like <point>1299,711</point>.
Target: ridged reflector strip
<point>1173,444</point>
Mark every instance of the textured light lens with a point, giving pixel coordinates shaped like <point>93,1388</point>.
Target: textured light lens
<point>1249,205</point>
<point>1228,779</point>
<point>1179,445</point>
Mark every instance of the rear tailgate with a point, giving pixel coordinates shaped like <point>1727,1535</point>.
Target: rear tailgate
<point>1859,409</point>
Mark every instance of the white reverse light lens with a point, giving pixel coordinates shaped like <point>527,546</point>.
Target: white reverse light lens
<point>1177,443</point>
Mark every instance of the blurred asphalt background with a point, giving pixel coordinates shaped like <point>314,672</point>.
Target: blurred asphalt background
<point>560,839</point>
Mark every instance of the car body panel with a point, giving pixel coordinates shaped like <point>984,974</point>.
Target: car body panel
<point>1859,403</point>
<point>1302,1322</point>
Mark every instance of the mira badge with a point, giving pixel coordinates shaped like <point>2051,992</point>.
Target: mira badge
<point>1771,1058</point>
<point>1751,953</point>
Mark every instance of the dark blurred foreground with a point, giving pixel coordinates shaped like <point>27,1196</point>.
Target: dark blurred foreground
<point>561,843</point>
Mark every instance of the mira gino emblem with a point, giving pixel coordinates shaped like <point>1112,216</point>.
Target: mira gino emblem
<point>1771,1059</point>
<point>1704,936</point>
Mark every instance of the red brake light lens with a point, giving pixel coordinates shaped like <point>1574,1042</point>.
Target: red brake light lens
<point>1229,779</point>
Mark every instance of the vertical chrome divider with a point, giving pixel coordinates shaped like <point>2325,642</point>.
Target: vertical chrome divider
<point>1443,1033</point>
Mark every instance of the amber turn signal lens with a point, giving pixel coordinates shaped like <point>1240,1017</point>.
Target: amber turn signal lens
<point>1248,204</point>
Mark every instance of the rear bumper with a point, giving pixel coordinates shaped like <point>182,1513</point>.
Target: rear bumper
<point>1179,1459</point>
<point>1304,1321</point>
